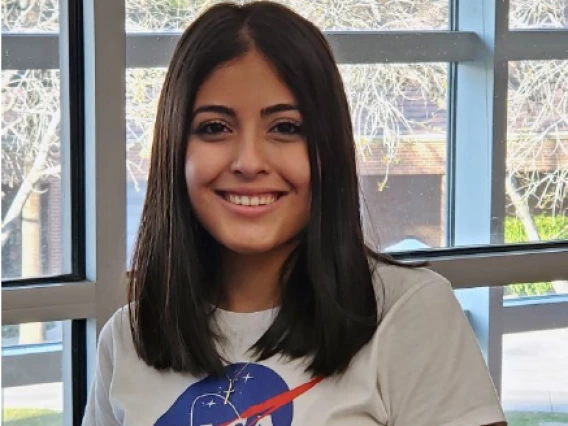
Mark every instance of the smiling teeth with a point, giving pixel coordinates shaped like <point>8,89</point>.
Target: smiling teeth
<point>245,200</point>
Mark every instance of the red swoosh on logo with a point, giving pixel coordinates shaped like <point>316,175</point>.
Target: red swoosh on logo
<point>270,405</point>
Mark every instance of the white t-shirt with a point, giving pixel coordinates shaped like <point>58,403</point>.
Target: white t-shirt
<point>422,367</point>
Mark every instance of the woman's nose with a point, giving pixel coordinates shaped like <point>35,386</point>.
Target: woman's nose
<point>249,158</point>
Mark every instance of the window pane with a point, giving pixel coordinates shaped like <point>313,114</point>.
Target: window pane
<point>514,291</point>
<point>32,386</point>
<point>538,14</point>
<point>399,115</point>
<point>142,92</point>
<point>30,15</point>
<point>537,152</point>
<point>535,375</point>
<point>400,125</point>
<point>32,192</point>
<point>162,15</point>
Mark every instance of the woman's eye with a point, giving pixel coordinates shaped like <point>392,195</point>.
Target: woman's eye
<point>212,128</point>
<point>287,128</point>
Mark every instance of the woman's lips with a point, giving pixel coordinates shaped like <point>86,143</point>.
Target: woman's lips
<point>250,204</point>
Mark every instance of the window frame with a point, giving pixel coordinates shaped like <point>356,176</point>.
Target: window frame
<point>63,51</point>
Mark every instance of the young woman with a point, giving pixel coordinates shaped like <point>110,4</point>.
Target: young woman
<point>253,298</point>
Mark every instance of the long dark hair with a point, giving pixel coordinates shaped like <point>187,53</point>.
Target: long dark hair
<point>329,307</point>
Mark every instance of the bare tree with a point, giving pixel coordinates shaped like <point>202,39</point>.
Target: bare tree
<point>30,15</point>
<point>30,137</point>
<point>538,121</point>
<point>164,15</point>
<point>538,14</point>
<point>538,133</point>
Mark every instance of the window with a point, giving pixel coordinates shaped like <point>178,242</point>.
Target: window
<point>399,115</point>
<point>535,377</point>
<point>34,205</point>
<point>328,15</point>
<point>538,14</point>
<point>536,289</point>
<point>32,17</point>
<point>537,152</point>
<point>460,121</point>
<point>33,243</point>
<point>32,377</point>
<point>142,91</point>
<point>43,379</point>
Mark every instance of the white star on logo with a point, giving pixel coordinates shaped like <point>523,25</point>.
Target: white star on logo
<point>247,377</point>
<point>210,403</point>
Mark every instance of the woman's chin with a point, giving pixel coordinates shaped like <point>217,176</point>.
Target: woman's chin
<point>249,248</point>
<point>251,245</point>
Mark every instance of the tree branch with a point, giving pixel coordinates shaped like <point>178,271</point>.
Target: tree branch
<point>32,178</point>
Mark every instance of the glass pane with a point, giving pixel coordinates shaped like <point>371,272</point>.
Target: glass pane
<point>538,14</point>
<point>475,305</point>
<point>537,152</point>
<point>142,92</point>
<point>399,115</point>
<point>32,385</point>
<point>168,15</point>
<point>30,15</point>
<point>400,126</point>
<point>32,192</point>
<point>534,379</point>
<point>514,291</point>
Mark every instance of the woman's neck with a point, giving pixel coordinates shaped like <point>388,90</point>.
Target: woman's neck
<point>251,282</point>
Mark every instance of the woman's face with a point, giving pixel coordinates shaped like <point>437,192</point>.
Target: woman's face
<point>247,167</point>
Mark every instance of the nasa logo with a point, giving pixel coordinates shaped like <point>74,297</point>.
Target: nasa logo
<point>260,398</point>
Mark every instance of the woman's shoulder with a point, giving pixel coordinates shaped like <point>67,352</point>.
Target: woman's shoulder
<point>117,328</point>
<point>396,284</point>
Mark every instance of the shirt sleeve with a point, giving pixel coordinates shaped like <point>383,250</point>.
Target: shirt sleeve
<point>431,370</point>
<point>99,411</point>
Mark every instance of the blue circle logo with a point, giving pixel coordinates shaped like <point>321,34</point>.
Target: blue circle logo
<point>258,396</point>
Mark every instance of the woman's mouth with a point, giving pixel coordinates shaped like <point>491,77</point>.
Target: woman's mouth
<point>251,200</point>
<point>253,203</point>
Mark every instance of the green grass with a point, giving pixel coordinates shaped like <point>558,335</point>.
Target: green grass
<point>31,417</point>
<point>534,419</point>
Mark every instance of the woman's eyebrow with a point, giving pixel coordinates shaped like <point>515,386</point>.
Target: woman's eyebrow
<point>278,108</point>
<point>225,110</point>
<point>220,109</point>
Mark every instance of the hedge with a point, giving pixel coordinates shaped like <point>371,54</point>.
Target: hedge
<point>549,228</point>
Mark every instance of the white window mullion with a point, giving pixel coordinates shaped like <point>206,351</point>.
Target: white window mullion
<point>479,164</point>
<point>105,159</point>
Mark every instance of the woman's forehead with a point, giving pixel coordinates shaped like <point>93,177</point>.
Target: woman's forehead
<point>249,80</point>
